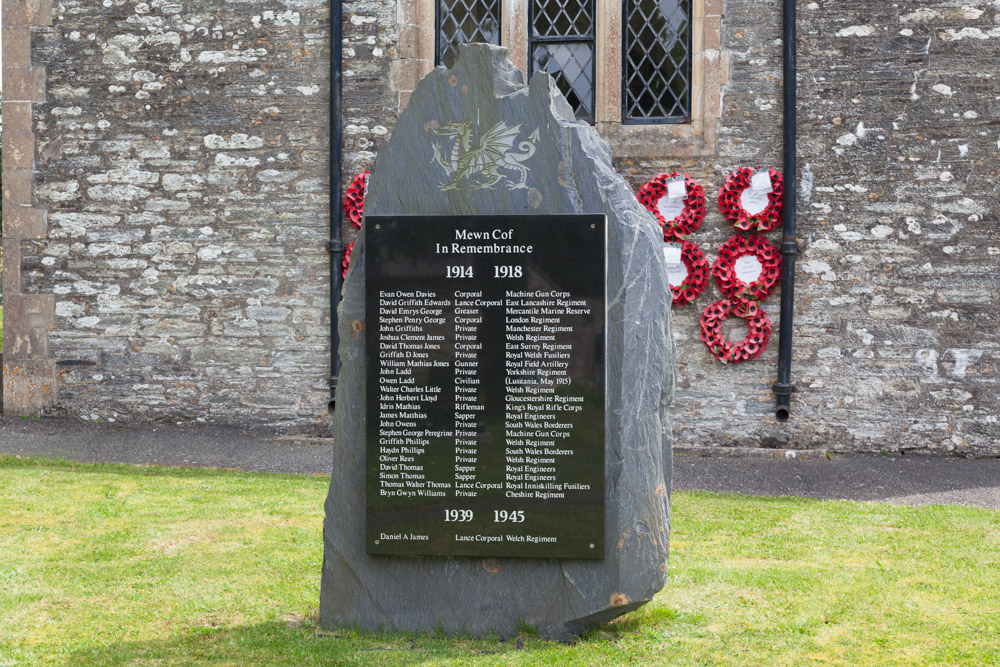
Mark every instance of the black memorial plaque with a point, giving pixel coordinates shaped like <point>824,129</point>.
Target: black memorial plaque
<point>485,385</point>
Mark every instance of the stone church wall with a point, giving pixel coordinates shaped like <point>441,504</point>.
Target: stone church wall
<point>180,160</point>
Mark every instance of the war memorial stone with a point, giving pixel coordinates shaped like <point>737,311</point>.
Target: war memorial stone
<point>502,449</point>
<point>485,385</point>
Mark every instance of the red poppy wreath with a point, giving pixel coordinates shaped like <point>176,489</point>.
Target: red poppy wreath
<point>750,208</point>
<point>346,262</point>
<point>688,286</point>
<point>354,199</point>
<point>678,216</point>
<point>746,270</point>
<point>751,347</point>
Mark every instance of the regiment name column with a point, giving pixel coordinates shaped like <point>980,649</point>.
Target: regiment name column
<point>541,404</point>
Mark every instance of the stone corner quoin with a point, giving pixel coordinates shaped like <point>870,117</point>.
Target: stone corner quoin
<point>29,377</point>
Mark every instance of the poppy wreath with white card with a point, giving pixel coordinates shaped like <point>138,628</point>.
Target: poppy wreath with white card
<point>689,282</point>
<point>726,351</point>
<point>354,198</point>
<point>680,214</point>
<point>746,270</point>
<point>751,200</point>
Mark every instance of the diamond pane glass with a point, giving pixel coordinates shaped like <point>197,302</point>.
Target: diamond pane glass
<point>657,60</point>
<point>572,66</point>
<point>562,18</point>
<point>464,22</point>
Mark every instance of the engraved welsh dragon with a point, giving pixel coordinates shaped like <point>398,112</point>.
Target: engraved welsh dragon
<point>494,151</point>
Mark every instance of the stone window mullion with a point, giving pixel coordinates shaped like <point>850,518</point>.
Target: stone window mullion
<point>609,63</point>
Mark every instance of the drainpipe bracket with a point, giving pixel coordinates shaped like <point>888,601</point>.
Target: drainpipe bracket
<point>783,388</point>
<point>334,246</point>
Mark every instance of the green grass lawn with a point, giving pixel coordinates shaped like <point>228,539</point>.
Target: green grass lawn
<point>116,565</point>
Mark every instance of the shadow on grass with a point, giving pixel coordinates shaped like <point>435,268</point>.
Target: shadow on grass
<point>303,643</point>
<point>645,619</point>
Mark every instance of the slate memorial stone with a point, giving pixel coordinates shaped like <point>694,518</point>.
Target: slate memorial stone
<point>475,141</point>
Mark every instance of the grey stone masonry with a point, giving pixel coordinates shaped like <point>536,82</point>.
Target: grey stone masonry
<point>896,343</point>
<point>897,332</point>
<point>182,157</point>
<point>566,170</point>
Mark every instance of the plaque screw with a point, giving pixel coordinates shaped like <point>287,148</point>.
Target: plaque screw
<point>591,544</point>
<point>378,226</point>
<point>592,226</point>
<point>376,541</point>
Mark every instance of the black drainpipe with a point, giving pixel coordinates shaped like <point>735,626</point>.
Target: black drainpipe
<point>335,246</point>
<point>783,388</point>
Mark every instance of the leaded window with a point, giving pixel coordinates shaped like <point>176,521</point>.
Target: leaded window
<point>561,42</point>
<point>657,61</point>
<point>464,22</point>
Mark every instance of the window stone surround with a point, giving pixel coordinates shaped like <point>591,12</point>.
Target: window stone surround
<point>710,71</point>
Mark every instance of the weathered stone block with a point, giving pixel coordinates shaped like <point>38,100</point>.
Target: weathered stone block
<point>19,149</point>
<point>16,46</point>
<point>11,274</point>
<point>22,222</point>
<point>15,13</point>
<point>28,385</point>
<point>39,12</point>
<point>406,73</point>
<point>21,343</point>
<point>30,311</point>
<point>24,84</point>
<point>27,12</point>
<point>570,172</point>
<point>16,187</point>
<point>16,116</point>
<point>412,40</point>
